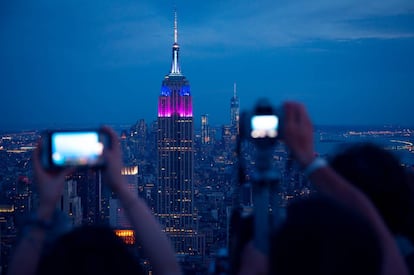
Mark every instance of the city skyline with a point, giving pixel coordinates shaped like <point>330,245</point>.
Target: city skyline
<point>86,64</point>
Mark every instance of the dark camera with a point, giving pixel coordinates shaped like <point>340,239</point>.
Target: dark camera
<point>82,148</point>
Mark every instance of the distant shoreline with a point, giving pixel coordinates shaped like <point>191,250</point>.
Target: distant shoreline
<point>126,126</point>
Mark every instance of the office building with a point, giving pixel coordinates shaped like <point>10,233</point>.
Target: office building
<point>175,159</point>
<point>205,130</point>
<point>234,112</point>
<point>117,216</point>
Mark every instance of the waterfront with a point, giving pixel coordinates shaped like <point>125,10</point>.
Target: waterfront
<point>329,140</point>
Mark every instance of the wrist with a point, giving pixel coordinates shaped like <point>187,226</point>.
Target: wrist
<point>314,165</point>
<point>306,158</point>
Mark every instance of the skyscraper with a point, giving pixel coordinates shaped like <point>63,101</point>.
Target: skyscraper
<point>234,111</point>
<point>139,140</point>
<point>71,203</point>
<point>175,136</point>
<point>205,131</point>
<point>117,215</point>
<point>94,201</point>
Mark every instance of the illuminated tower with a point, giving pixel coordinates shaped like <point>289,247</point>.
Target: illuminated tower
<point>117,216</point>
<point>22,197</point>
<point>205,131</point>
<point>71,203</point>
<point>234,111</point>
<point>175,135</point>
<point>139,139</point>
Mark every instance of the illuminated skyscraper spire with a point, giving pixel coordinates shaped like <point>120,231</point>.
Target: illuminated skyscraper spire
<point>175,66</point>
<point>175,98</point>
<point>235,110</point>
<point>175,28</point>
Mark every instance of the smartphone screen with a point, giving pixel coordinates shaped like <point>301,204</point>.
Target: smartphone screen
<point>76,148</point>
<point>264,126</point>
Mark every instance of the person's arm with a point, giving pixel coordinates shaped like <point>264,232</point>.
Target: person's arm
<point>148,231</point>
<point>298,136</point>
<point>253,261</point>
<point>29,249</point>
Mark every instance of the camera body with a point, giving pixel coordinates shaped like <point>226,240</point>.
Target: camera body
<point>81,149</point>
<point>263,125</point>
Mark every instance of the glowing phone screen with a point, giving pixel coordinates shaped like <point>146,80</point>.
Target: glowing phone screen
<point>76,148</point>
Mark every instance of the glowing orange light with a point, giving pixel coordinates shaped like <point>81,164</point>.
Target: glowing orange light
<point>127,236</point>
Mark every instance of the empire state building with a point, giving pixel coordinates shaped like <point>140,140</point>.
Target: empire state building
<point>175,136</point>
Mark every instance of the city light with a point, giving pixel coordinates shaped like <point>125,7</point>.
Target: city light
<point>127,236</point>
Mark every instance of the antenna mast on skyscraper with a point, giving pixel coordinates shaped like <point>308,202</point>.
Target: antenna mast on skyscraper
<point>175,27</point>
<point>175,66</point>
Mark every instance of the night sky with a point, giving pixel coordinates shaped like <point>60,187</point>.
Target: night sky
<point>87,63</point>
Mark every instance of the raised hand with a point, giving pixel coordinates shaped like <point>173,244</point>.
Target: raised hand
<point>298,132</point>
<point>50,185</point>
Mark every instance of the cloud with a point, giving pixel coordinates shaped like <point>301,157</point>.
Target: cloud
<point>281,23</point>
<point>233,26</point>
<point>130,33</point>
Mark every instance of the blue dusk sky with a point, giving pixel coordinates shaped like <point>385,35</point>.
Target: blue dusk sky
<point>87,63</point>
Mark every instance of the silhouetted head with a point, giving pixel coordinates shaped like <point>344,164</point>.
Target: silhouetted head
<point>378,174</point>
<point>321,236</point>
<point>89,250</point>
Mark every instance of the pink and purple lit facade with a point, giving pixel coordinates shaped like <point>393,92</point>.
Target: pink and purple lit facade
<point>175,98</point>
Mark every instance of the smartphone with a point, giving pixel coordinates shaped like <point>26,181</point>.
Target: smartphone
<point>83,148</point>
<point>264,126</point>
